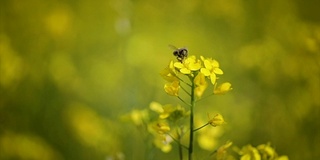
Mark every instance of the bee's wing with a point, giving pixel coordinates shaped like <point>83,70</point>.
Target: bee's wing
<point>173,47</point>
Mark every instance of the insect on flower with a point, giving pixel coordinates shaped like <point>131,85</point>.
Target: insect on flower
<point>180,53</point>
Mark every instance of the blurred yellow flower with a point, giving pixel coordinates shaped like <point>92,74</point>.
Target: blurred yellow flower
<point>172,88</point>
<point>159,130</point>
<point>201,84</point>
<point>211,68</point>
<point>249,153</point>
<point>138,117</point>
<point>217,120</point>
<point>283,158</point>
<point>190,64</point>
<point>222,150</point>
<point>163,142</point>
<point>169,73</point>
<point>164,111</point>
<point>266,151</point>
<point>159,127</point>
<point>157,107</point>
<point>208,137</point>
<point>168,111</point>
<point>223,88</point>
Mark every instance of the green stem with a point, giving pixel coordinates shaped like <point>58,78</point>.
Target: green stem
<point>184,101</point>
<point>183,81</point>
<point>180,146</point>
<point>178,142</point>
<point>201,127</point>
<point>205,97</point>
<point>193,103</point>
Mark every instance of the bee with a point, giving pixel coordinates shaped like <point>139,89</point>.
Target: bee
<point>180,53</point>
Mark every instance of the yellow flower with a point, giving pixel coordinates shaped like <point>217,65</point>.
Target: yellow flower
<point>160,130</point>
<point>283,158</point>
<point>164,111</point>
<point>138,117</point>
<point>208,137</point>
<point>168,111</point>
<point>163,142</point>
<point>217,120</point>
<point>160,127</point>
<point>249,153</point>
<point>223,88</point>
<point>211,68</point>
<point>169,73</point>
<point>267,151</point>
<point>189,65</point>
<point>222,150</point>
<point>201,84</point>
<point>172,88</point>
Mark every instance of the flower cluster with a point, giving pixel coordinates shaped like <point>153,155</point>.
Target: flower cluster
<point>175,123</point>
<point>161,121</point>
<point>261,152</point>
<point>198,70</point>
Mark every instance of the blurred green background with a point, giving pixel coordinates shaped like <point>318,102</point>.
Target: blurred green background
<point>70,69</point>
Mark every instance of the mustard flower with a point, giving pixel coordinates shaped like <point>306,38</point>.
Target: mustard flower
<point>163,142</point>
<point>211,68</point>
<point>267,151</point>
<point>163,111</point>
<point>190,64</point>
<point>160,127</point>
<point>222,150</point>
<point>223,88</point>
<point>172,88</point>
<point>138,117</point>
<point>217,120</point>
<point>208,137</point>
<point>283,158</point>
<point>249,153</point>
<point>168,111</point>
<point>169,73</point>
<point>201,84</point>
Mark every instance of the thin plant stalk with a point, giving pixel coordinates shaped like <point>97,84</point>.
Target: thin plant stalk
<point>193,103</point>
<point>201,127</point>
<point>180,146</point>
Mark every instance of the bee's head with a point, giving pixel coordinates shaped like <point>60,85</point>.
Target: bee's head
<point>176,53</point>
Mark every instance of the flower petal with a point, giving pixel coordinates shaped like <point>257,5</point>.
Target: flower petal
<point>213,78</point>
<point>157,107</point>
<point>217,71</point>
<point>223,88</point>
<point>185,71</point>
<point>178,65</point>
<point>208,64</point>
<point>205,71</point>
